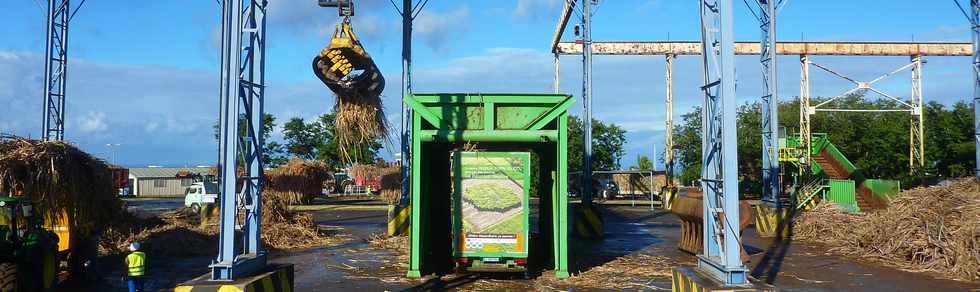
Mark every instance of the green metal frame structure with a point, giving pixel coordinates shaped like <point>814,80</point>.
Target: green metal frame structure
<point>443,122</point>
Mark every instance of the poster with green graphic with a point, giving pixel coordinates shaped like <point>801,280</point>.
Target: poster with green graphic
<point>491,203</point>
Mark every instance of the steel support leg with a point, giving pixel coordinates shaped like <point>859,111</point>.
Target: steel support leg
<point>557,85</point>
<point>242,94</point>
<point>669,124</point>
<point>721,258</point>
<point>770,105</point>
<point>974,15</point>
<point>55,70</point>
<point>805,112</point>
<point>916,138</point>
<point>587,98</point>
<point>406,133</point>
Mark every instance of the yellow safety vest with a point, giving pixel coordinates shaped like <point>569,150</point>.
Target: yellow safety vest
<point>137,263</point>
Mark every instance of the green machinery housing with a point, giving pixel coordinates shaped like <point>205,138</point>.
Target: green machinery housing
<point>444,123</point>
<point>833,177</point>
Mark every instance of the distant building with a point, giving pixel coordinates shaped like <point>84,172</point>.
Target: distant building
<point>162,181</point>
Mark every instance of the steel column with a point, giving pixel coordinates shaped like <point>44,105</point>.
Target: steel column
<point>974,17</point>
<point>241,94</point>
<point>805,112</point>
<point>406,118</point>
<point>719,178</point>
<point>770,104</point>
<point>557,74</point>
<point>587,98</point>
<point>916,133</point>
<point>669,123</point>
<point>55,70</point>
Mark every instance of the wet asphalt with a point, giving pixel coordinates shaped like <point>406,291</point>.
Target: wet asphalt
<point>356,266</point>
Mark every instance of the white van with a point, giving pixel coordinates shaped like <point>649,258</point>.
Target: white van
<point>199,195</point>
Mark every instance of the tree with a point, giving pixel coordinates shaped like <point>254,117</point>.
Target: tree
<point>303,140</point>
<point>876,142</point>
<point>315,140</point>
<point>643,163</point>
<point>687,138</point>
<point>607,146</point>
<point>272,154</point>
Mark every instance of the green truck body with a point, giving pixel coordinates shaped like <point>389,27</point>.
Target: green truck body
<point>491,210</point>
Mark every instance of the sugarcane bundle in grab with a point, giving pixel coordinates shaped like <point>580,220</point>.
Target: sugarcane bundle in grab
<point>347,69</point>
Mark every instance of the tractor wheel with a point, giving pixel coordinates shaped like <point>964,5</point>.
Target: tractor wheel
<point>49,270</point>
<point>8,277</point>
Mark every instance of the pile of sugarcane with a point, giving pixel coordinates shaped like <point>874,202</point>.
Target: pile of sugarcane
<point>935,229</point>
<point>61,180</point>
<point>298,181</point>
<point>391,183</point>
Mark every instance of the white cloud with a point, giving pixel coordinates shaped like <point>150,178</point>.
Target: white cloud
<point>436,28</point>
<point>147,106</point>
<point>151,127</point>
<point>93,122</point>
<point>536,9</point>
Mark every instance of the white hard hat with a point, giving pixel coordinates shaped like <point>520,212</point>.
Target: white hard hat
<point>134,246</point>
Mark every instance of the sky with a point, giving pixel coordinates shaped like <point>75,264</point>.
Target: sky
<point>143,74</point>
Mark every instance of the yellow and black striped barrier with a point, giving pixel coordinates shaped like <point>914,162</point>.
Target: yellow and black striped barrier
<point>686,279</point>
<point>399,220</point>
<point>209,214</point>
<point>810,204</point>
<point>588,221</point>
<point>279,279</point>
<point>767,221</point>
<point>667,197</point>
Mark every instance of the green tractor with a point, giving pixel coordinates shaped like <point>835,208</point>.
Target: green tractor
<point>28,251</point>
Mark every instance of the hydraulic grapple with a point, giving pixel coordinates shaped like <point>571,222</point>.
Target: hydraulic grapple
<point>346,68</point>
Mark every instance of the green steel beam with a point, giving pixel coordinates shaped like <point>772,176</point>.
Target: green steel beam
<point>543,120</point>
<point>560,216</point>
<point>490,97</point>
<point>489,136</point>
<point>422,110</point>
<point>415,264</point>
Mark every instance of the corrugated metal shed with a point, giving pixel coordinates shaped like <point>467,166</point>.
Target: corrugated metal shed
<point>151,172</point>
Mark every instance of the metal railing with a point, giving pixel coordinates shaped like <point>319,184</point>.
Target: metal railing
<point>810,191</point>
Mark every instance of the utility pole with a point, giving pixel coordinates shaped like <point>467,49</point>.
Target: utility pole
<point>406,133</point>
<point>112,152</point>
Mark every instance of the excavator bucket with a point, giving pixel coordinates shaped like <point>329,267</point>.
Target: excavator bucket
<point>687,205</point>
<point>346,68</point>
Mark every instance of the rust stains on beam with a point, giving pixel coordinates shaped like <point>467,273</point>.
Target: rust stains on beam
<point>562,22</point>
<point>782,48</point>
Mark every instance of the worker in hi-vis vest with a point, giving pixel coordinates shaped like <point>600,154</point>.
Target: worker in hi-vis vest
<point>135,267</point>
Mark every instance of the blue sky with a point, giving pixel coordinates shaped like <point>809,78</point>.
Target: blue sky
<point>143,73</point>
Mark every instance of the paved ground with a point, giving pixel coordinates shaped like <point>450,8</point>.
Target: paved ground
<point>356,266</point>
<point>152,206</point>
